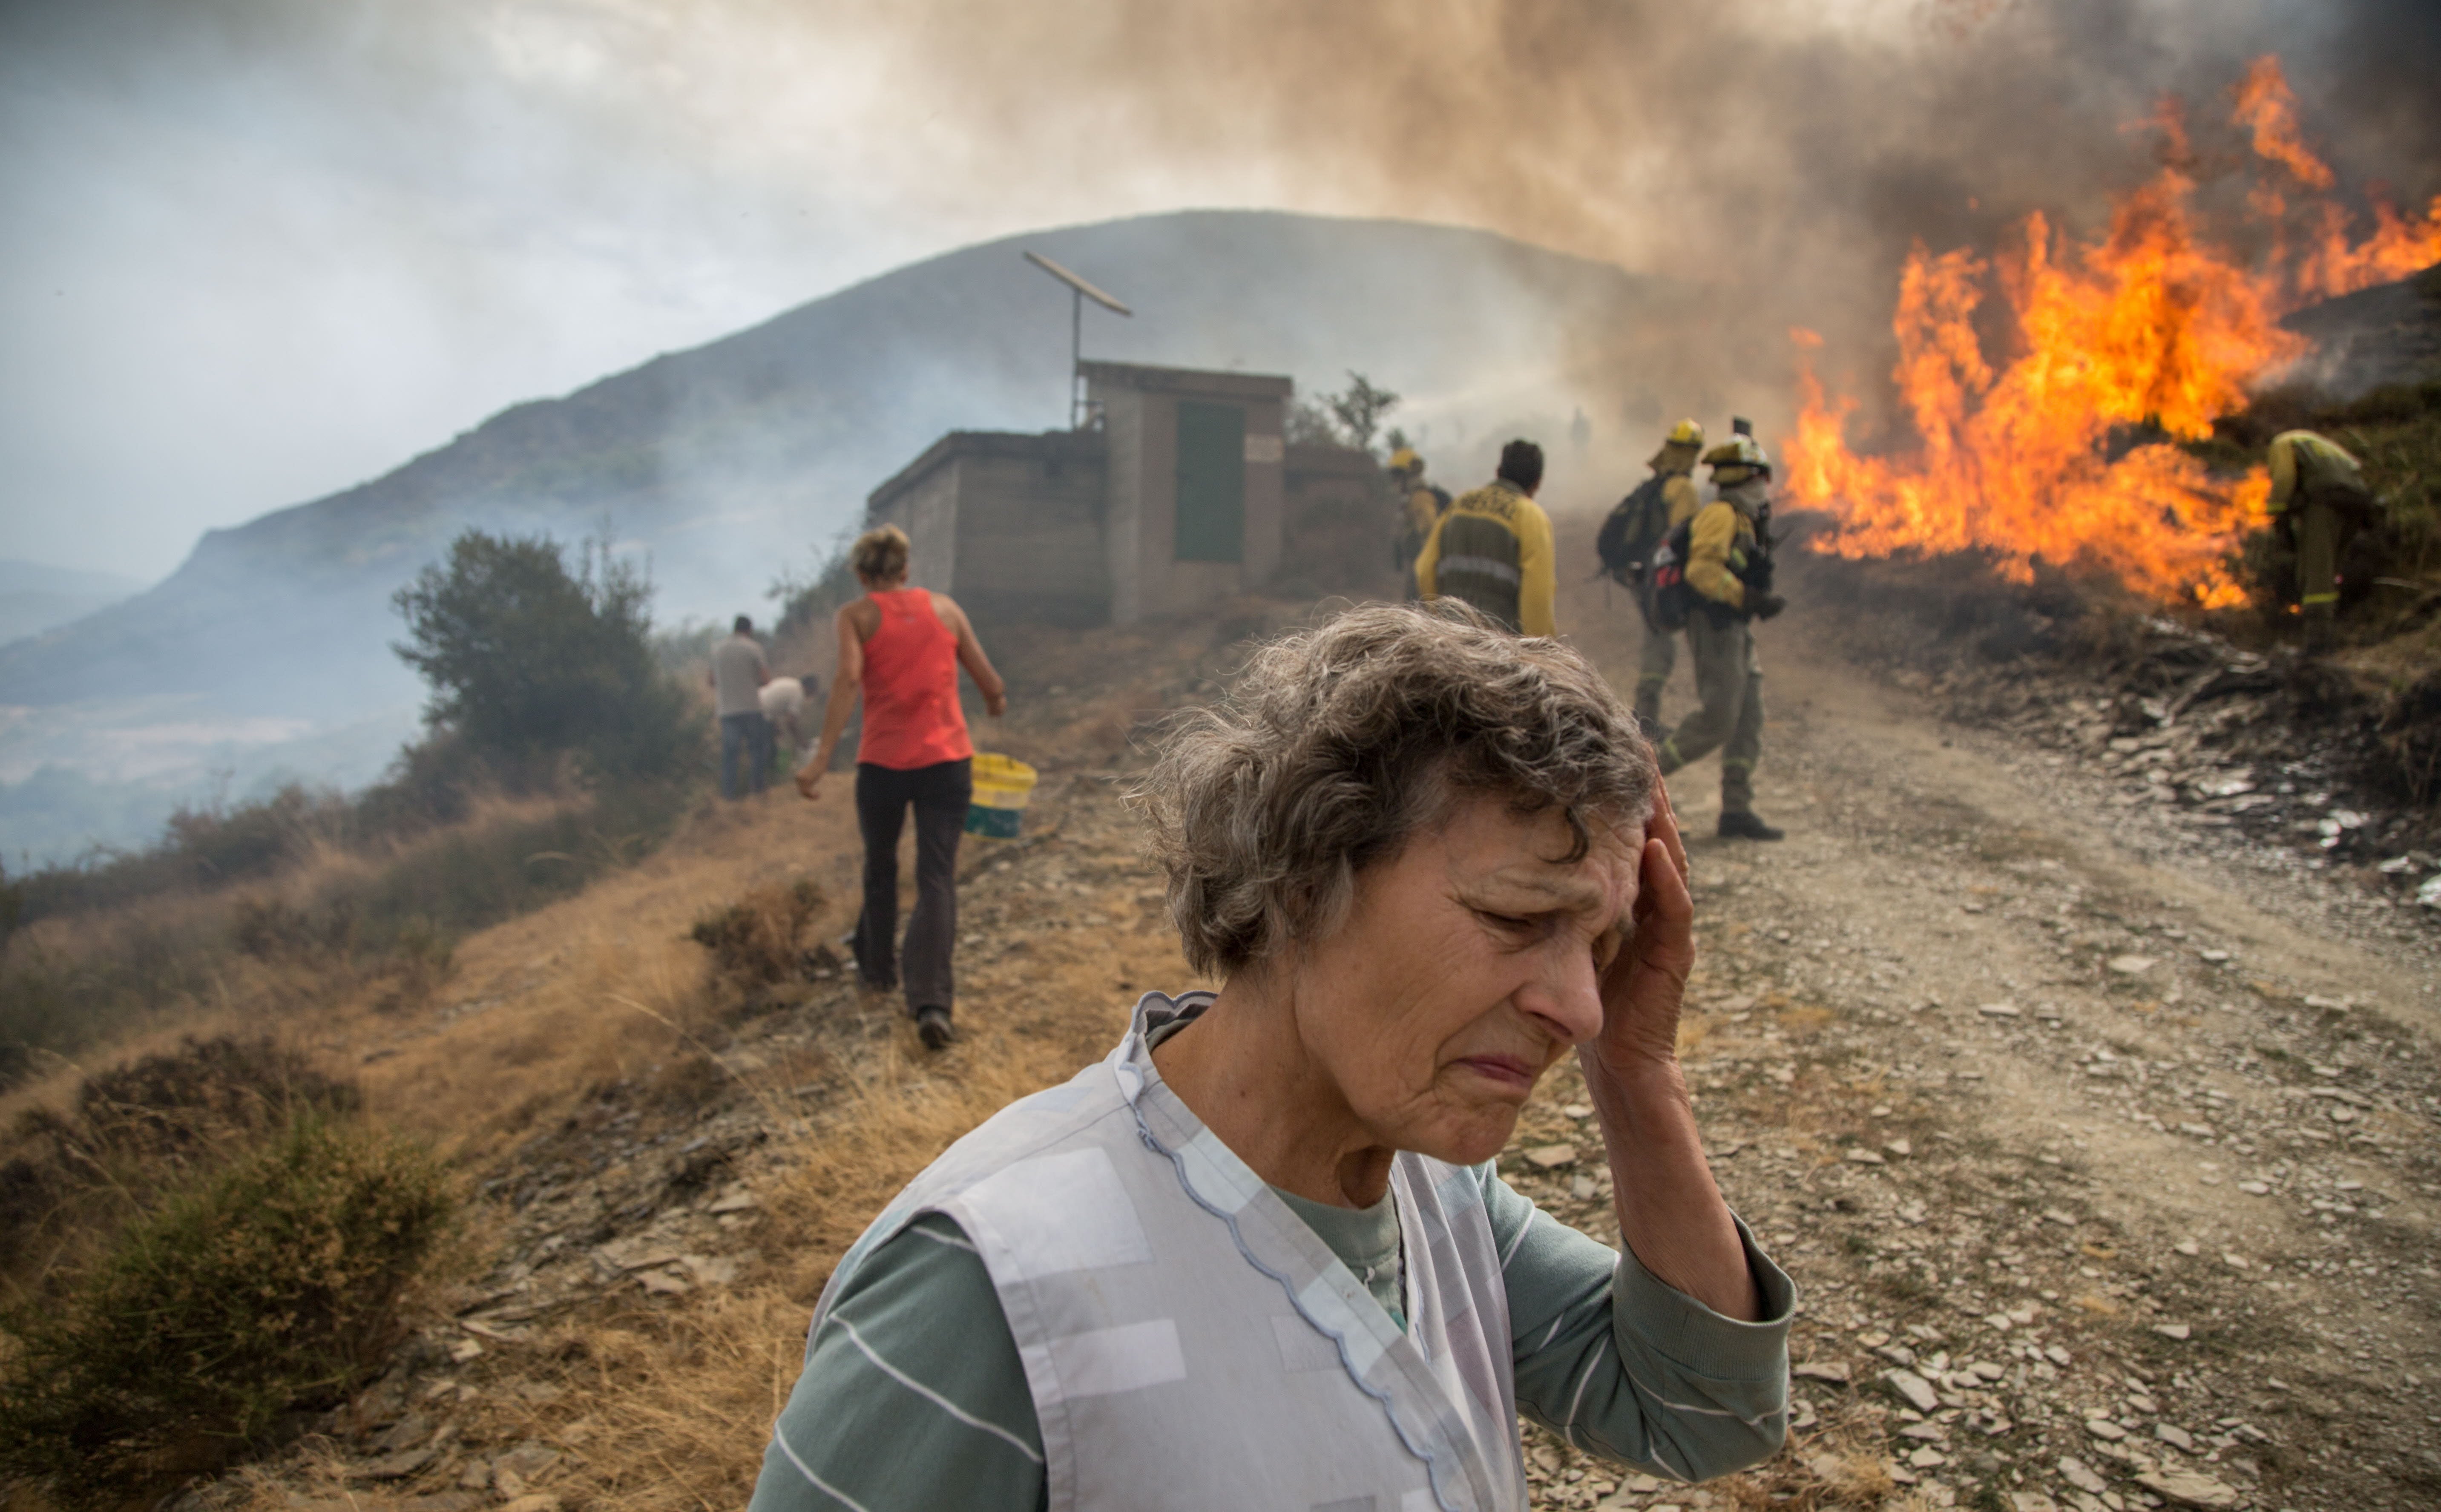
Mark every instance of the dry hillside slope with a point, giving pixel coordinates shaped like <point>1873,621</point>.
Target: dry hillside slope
<point>2101,1141</point>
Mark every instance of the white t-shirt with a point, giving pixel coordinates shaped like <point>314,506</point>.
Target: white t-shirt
<point>783,698</point>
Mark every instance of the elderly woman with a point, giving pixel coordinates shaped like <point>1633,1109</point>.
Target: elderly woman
<point>1260,1256</point>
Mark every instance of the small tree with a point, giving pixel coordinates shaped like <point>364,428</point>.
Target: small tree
<point>526,658</point>
<point>1360,409</point>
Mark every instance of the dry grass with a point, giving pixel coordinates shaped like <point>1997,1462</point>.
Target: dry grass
<point>670,1408</point>
<point>599,988</point>
<point>757,941</point>
<point>86,983</point>
<point>666,1402</point>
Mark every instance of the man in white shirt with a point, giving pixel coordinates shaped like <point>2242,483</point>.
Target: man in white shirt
<point>784,701</point>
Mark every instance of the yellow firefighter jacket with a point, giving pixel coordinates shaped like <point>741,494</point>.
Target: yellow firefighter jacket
<point>1718,548</point>
<point>2301,459</point>
<point>1493,550</point>
<point>1679,491</point>
<point>1423,508</point>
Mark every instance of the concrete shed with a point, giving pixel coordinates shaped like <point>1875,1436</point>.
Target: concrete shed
<point>1176,497</point>
<point>1196,484</point>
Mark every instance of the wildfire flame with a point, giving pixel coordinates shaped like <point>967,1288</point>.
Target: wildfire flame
<point>2148,325</point>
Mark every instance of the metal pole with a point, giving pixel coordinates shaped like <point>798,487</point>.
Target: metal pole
<point>1076,356</point>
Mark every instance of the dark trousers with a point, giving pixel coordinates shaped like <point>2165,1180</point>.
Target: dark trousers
<point>1730,680</point>
<point>745,739</point>
<point>940,794</point>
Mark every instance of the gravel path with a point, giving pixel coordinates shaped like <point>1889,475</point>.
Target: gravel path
<point>2102,1146</point>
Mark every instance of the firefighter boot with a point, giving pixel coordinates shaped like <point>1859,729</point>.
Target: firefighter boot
<point>1745,824</point>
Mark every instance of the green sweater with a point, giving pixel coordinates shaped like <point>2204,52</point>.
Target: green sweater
<point>913,1396</point>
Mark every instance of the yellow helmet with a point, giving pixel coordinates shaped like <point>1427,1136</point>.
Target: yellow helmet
<point>1687,433</point>
<point>1405,461</point>
<point>1736,460</point>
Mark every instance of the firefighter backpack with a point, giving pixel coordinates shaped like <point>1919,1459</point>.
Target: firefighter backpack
<point>1668,598</point>
<point>1636,525</point>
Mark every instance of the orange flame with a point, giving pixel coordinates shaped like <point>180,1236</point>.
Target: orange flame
<point>2149,327</point>
<point>2266,108</point>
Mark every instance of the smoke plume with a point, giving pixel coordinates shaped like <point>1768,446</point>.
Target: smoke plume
<point>1779,159</point>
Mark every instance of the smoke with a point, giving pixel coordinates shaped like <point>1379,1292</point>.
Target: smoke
<point>1779,159</point>
<point>262,248</point>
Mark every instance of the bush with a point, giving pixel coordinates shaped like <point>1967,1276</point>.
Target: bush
<point>476,878</point>
<point>269,1288</point>
<point>137,1130</point>
<point>754,941</point>
<point>58,999</point>
<point>206,1088</point>
<point>527,658</point>
<point>204,847</point>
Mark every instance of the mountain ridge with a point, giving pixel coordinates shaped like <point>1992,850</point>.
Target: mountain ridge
<point>770,436</point>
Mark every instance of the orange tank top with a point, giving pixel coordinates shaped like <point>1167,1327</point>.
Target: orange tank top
<point>912,716</point>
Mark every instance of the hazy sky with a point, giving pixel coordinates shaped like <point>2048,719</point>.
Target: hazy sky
<point>257,251</point>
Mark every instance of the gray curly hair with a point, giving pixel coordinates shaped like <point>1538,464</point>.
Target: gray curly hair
<point>1340,743</point>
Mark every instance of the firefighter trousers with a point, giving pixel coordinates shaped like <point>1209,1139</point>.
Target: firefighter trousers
<point>1653,669</point>
<point>2317,527</point>
<point>1730,680</point>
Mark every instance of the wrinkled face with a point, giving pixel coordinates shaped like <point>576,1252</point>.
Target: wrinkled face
<point>1468,965</point>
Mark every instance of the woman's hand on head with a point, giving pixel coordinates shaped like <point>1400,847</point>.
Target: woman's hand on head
<point>1646,985</point>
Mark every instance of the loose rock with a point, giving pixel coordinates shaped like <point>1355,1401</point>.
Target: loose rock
<point>1913,1388</point>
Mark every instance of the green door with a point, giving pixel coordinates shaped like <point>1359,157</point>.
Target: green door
<point>1211,482</point>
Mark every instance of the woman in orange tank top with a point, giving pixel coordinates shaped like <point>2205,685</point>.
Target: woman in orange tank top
<point>899,651</point>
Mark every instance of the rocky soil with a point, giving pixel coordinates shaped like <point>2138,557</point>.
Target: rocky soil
<point>2099,1133</point>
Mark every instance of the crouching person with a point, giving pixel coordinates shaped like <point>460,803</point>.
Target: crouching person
<point>1260,1256</point>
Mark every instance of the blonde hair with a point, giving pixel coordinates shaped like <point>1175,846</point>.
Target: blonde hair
<point>879,555</point>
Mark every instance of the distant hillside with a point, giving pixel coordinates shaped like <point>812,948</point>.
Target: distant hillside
<point>35,596</point>
<point>734,460</point>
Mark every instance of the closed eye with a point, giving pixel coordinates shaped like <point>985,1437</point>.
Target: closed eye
<point>1607,946</point>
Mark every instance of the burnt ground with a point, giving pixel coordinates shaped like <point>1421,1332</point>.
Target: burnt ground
<point>2099,1136</point>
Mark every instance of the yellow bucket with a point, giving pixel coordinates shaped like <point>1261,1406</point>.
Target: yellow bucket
<point>1003,787</point>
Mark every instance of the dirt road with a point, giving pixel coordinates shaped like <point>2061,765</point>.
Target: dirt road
<point>2107,1161</point>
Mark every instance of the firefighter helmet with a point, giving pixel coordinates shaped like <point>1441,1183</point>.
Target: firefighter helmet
<point>1687,433</point>
<point>1738,459</point>
<point>1405,461</point>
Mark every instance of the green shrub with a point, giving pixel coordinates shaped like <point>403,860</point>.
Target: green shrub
<point>139,1130</point>
<point>269,1288</point>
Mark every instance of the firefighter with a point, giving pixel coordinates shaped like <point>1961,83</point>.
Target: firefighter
<point>1492,548</point>
<point>2319,499</point>
<point>1420,507</point>
<point>1674,503</point>
<point>1729,570</point>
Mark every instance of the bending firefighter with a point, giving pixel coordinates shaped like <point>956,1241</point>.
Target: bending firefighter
<point>1725,587</point>
<point>2319,499</point>
<point>1493,547</point>
<point>1638,527</point>
<point>1420,507</point>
